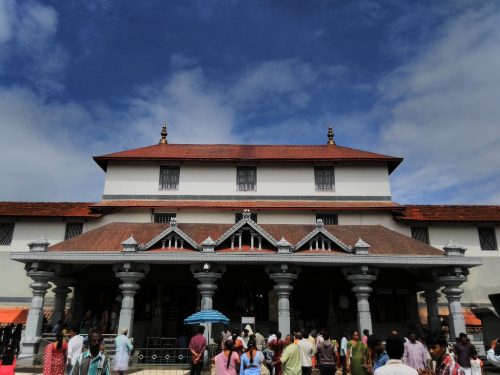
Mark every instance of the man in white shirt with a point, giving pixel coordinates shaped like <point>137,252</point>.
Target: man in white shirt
<point>490,354</point>
<point>75,346</point>
<point>394,346</point>
<point>307,351</point>
<point>343,353</point>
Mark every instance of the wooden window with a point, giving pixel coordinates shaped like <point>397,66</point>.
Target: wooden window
<point>6,233</point>
<point>324,178</point>
<point>328,219</point>
<point>163,217</point>
<point>246,178</point>
<point>73,230</point>
<point>420,233</point>
<point>169,177</point>
<point>238,216</point>
<point>487,238</point>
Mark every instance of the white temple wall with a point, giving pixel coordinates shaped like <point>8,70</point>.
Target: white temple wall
<point>142,178</point>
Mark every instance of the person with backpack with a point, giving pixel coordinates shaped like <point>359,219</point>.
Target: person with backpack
<point>93,361</point>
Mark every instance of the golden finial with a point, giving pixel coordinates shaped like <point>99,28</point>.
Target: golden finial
<point>164,133</point>
<point>330,136</point>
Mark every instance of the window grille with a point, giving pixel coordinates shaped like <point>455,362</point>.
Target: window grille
<point>73,230</point>
<point>420,233</point>
<point>246,178</point>
<point>324,178</point>
<point>6,233</point>
<point>169,178</point>
<point>238,216</point>
<point>487,238</point>
<point>328,219</point>
<point>164,217</point>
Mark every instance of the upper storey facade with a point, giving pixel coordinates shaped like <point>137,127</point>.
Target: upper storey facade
<point>186,171</point>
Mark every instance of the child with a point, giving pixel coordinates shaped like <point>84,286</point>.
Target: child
<point>476,365</point>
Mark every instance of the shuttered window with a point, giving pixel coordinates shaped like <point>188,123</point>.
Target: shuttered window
<point>487,238</point>
<point>328,219</point>
<point>6,233</point>
<point>246,178</point>
<point>169,177</point>
<point>420,233</point>
<point>163,217</point>
<point>73,230</point>
<point>324,178</point>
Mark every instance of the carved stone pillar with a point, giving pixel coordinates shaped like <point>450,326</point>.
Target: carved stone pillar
<point>207,274</point>
<point>40,274</point>
<point>130,274</point>
<point>451,282</point>
<point>283,276</point>
<point>431,297</point>
<point>361,277</point>
<point>61,292</point>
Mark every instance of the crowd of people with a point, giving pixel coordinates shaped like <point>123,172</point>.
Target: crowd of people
<point>250,353</point>
<point>77,354</point>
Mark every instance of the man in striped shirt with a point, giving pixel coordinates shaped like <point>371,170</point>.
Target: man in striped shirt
<point>445,365</point>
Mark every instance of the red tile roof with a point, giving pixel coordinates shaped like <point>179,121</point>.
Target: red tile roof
<point>251,204</point>
<point>45,209</point>
<point>383,241</point>
<point>204,152</point>
<point>453,213</point>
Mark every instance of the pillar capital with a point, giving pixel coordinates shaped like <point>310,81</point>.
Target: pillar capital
<point>431,296</point>
<point>40,273</point>
<point>61,291</point>
<point>452,278</point>
<point>207,274</point>
<point>283,275</point>
<point>130,274</point>
<point>361,277</point>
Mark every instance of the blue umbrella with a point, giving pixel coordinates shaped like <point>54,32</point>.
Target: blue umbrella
<point>206,316</point>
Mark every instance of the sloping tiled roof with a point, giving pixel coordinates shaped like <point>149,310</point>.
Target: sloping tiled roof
<point>455,213</point>
<point>251,204</point>
<point>46,209</point>
<point>383,241</point>
<point>204,152</point>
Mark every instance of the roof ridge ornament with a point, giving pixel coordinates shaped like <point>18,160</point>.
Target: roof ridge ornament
<point>173,221</point>
<point>319,223</point>
<point>331,140</point>
<point>247,214</point>
<point>163,140</point>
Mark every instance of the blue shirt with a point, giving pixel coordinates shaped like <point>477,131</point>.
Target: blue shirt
<point>382,360</point>
<point>94,364</point>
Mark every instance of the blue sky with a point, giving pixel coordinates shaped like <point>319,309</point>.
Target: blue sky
<point>414,79</point>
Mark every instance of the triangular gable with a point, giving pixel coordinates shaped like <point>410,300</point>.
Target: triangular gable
<point>172,229</point>
<point>320,230</point>
<point>240,224</point>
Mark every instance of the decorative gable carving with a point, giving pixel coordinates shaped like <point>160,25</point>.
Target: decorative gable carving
<point>172,238</point>
<point>246,232</point>
<point>321,239</point>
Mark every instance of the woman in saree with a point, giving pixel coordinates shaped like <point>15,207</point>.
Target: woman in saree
<point>357,353</point>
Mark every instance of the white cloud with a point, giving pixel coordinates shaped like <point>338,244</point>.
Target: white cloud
<point>443,114</point>
<point>274,80</point>
<point>28,39</point>
<point>42,154</point>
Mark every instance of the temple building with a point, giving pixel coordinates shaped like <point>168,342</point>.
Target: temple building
<point>295,236</point>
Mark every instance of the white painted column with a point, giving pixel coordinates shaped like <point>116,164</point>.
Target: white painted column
<point>361,277</point>
<point>283,277</point>
<point>130,275</point>
<point>453,293</point>
<point>61,292</point>
<point>40,276</point>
